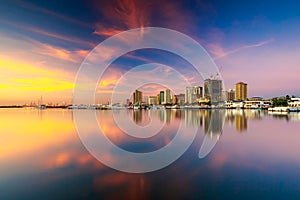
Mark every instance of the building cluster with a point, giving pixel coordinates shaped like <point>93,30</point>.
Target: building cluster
<point>210,94</point>
<point>239,94</point>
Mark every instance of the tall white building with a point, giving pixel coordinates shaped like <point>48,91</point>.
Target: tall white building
<point>193,94</point>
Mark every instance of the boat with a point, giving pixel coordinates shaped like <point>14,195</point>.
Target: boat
<point>278,109</point>
<point>41,106</point>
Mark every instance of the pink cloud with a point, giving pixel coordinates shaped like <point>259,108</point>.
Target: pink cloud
<point>219,52</point>
<point>60,53</point>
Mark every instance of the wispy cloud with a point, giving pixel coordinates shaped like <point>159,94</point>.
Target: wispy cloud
<point>54,14</point>
<point>121,15</point>
<point>50,34</point>
<point>219,52</point>
<point>60,53</point>
<point>125,15</point>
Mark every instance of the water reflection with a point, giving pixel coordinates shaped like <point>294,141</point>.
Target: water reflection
<point>42,157</point>
<point>212,121</point>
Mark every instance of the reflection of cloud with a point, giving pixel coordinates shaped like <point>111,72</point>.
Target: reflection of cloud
<point>130,186</point>
<point>60,160</point>
<point>28,133</point>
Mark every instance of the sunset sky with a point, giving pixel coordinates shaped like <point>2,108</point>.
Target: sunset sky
<point>42,43</point>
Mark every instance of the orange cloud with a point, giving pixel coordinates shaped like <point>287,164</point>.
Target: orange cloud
<point>42,84</point>
<point>21,81</point>
<point>63,54</point>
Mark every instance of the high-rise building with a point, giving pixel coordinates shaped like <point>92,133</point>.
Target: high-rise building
<point>137,97</point>
<point>213,90</point>
<point>230,95</point>
<point>241,91</point>
<point>180,99</point>
<point>167,97</point>
<point>152,100</point>
<point>158,99</point>
<point>173,99</point>
<point>161,97</point>
<point>193,94</point>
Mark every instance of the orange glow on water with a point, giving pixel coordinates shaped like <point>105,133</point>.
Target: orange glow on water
<point>31,131</point>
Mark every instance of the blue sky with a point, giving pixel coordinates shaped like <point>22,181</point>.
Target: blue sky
<point>252,41</point>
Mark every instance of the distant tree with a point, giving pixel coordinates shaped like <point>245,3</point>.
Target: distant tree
<point>279,101</point>
<point>287,97</point>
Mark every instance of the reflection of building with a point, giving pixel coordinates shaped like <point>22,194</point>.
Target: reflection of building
<point>213,90</point>
<point>165,115</point>
<point>241,91</point>
<point>137,97</point>
<point>193,94</point>
<point>152,100</point>
<point>167,97</point>
<point>137,116</point>
<point>193,117</point>
<point>241,122</point>
<point>214,120</point>
<point>230,95</point>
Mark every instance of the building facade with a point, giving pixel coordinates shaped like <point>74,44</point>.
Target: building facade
<point>137,97</point>
<point>152,100</point>
<point>180,99</point>
<point>213,90</point>
<point>193,94</point>
<point>161,97</point>
<point>241,91</point>
<point>230,95</point>
<point>167,97</point>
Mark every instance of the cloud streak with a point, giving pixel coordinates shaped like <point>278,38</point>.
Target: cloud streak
<point>219,52</point>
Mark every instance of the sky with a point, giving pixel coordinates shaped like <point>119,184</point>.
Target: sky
<point>43,43</point>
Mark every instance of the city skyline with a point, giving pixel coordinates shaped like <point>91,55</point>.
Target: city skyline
<point>43,44</point>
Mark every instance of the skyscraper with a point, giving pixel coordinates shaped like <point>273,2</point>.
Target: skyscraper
<point>137,97</point>
<point>161,97</point>
<point>241,91</point>
<point>152,100</point>
<point>213,90</point>
<point>180,99</point>
<point>193,94</point>
<point>230,95</point>
<point>167,97</point>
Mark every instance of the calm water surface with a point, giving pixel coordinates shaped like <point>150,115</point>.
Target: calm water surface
<point>257,156</point>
